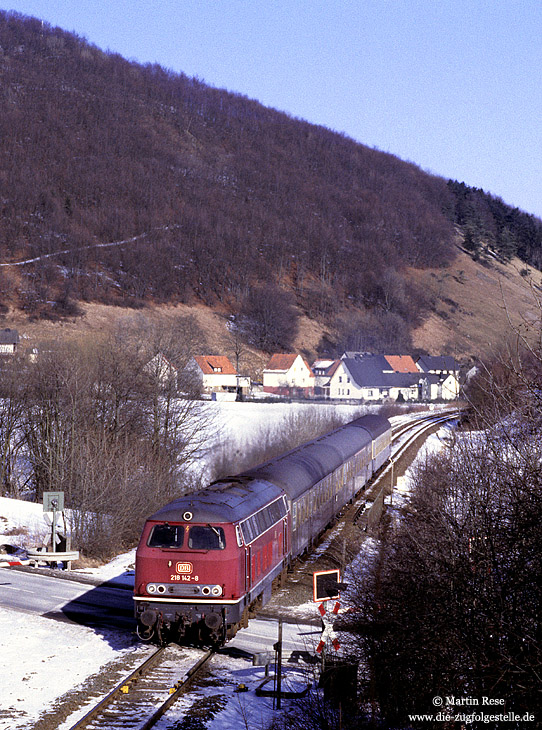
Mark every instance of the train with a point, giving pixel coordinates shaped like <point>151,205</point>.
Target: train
<point>206,562</point>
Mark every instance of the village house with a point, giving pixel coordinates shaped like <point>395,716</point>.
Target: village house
<point>443,372</point>
<point>323,370</point>
<point>160,368</point>
<point>366,377</point>
<point>9,341</point>
<point>216,374</point>
<point>288,375</point>
<point>371,378</point>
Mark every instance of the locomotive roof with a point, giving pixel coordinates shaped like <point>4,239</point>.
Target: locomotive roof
<point>229,500</point>
<point>302,467</point>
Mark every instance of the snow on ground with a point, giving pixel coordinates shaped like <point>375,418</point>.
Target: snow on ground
<point>50,657</point>
<point>22,523</point>
<point>47,659</point>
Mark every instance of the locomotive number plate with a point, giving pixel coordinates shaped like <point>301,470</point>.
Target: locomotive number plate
<point>183,568</point>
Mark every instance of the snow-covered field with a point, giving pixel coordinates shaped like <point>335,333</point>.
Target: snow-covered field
<point>43,659</point>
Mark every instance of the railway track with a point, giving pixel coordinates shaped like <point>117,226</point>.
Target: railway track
<point>403,437</point>
<point>143,697</point>
<point>426,420</point>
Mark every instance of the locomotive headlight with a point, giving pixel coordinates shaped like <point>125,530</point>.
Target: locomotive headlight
<point>216,590</point>
<point>161,588</point>
<point>206,590</point>
<point>151,588</point>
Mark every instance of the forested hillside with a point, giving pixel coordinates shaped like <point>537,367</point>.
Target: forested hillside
<point>488,223</point>
<point>131,184</point>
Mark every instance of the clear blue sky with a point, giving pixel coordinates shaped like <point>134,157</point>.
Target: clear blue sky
<point>452,85</point>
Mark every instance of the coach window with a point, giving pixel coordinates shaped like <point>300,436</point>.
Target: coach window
<point>166,536</point>
<point>206,537</point>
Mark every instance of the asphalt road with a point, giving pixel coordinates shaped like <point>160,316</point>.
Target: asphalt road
<point>66,600</point>
<point>108,607</point>
<point>298,640</point>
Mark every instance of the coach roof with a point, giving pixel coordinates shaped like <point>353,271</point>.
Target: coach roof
<point>301,468</point>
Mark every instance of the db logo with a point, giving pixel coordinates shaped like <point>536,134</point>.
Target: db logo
<point>183,568</point>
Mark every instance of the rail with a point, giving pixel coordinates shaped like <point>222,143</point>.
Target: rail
<point>122,703</point>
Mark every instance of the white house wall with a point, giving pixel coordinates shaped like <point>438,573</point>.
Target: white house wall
<point>297,376</point>
<point>219,380</point>
<point>342,385</point>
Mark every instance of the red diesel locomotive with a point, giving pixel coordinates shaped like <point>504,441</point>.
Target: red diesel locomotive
<point>207,560</point>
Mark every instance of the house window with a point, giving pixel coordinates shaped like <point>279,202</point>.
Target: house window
<point>340,378</point>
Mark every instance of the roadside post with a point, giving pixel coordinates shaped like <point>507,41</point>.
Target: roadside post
<point>278,673</point>
<point>53,502</point>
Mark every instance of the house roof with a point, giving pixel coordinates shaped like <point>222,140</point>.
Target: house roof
<point>283,362</point>
<point>355,354</point>
<point>9,337</point>
<point>427,363</point>
<point>373,372</point>
<point>333,368</point>
<point>325,367</point>
<point>322,364</point>
<point>402,363</point>
<point>210,364</point>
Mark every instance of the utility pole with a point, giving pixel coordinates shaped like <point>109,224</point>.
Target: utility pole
<point>278,649</point>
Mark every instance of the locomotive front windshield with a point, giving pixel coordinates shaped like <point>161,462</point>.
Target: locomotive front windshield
<point>166,536</point>
<point>206,537</point>
<point>200,537</point>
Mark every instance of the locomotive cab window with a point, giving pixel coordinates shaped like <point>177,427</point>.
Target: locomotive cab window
<point>166,536</point>
<point>206,537</point>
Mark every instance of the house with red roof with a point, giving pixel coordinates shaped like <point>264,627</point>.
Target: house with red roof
<point>216,373</point>
<point>288,375</point>
<point>401,364</point>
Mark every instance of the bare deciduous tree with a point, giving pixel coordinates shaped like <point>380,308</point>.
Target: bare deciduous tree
<point>105,428</point>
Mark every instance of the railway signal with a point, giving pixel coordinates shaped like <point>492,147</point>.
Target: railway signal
<point>327,585</point>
